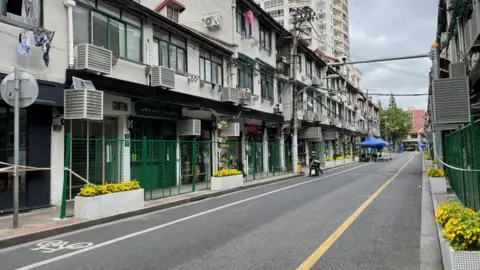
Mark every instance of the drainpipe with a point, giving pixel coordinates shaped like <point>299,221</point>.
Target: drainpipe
<point>234,22</point>
<point>69,4</point>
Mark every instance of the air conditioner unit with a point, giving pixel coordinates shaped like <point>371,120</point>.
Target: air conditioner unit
<point>163,76</point>
<point>189,127</point>
<point>319,117</point>
<point>232,129</point>
<point>309,116</point>
<point>230,94</point>
<point>211,21</point>
<point>93,59</point>
<point>83,101</point>
<point>278,108</point>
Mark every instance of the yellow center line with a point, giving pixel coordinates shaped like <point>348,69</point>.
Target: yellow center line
<point>320,251</point>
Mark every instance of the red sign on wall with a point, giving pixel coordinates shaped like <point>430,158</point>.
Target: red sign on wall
<point>254,129</point>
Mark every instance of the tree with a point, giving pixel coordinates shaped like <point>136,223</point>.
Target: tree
<point>392,103</point>
<point>397,120</point>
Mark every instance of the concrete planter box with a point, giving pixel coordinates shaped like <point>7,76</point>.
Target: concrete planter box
<point>429,163</point>
<point>438,185</point>
<point>458,260</point>
<point>226,182</point>
<point>109,204</point>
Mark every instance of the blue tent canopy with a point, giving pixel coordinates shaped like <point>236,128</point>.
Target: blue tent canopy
<point>371,142</point>
<point>385,143</point>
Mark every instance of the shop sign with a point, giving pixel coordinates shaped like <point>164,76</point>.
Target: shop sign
<point>254,129</point>
<point>150,109</point>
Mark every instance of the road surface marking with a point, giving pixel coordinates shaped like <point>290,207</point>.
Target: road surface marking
<point>56,245</point>
<point>128,236</point>
<point>320,251</point>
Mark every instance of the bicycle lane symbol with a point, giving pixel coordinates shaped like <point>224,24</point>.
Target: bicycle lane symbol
<point>57,245</point>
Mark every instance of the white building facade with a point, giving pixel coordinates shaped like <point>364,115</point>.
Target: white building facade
<point>184,89</point>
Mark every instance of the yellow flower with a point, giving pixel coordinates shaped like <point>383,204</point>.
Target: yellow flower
<point>226,172</point>
<point>95,190</point>
<point>435,172</point>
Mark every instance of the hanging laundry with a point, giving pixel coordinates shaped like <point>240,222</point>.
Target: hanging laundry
<point>39,36</point>
<point>26,43</point>
<point>248,17</point>
<point>46,52</point>
<point>41,39</point>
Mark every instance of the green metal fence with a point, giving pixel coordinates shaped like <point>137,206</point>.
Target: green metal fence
<point>163,168</point>
<point>462,150</point>
<point>166,167</point>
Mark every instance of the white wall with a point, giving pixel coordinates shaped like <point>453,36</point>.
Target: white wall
<point>54,19</point>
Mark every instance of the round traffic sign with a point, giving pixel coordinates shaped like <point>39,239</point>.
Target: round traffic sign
<point>28,91</point>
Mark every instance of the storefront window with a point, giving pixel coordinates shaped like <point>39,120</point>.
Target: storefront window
<point>7,144</point>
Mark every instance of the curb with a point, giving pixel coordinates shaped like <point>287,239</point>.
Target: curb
<point>21,239</point>
<point>430,253</point>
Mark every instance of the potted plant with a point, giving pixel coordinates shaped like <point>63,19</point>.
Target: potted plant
<point>428,160</point>
<point>94,201</point>
<point>459,232</point>
<point>222,124</point>
<point>226,179</point>
<point>438,184</point>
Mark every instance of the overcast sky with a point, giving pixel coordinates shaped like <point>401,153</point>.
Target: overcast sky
<point>390,28</point>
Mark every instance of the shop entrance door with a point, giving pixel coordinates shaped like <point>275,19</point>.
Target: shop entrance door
<point>6,155</point>
<point>95,153</point>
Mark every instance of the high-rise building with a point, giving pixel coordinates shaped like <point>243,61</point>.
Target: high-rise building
<point>329,33</point>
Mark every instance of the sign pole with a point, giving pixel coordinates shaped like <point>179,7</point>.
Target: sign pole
<point>16,136</point>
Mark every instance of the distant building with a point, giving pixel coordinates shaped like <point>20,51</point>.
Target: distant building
<point>417,132</point>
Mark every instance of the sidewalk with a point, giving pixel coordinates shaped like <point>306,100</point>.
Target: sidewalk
<point>430,253</point>
<point>44,223</point>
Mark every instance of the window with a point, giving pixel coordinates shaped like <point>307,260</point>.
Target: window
<point>280,86</point>
<point>102,29</point>
<point>318,71</point>
<point>276,13</point>
<point>308,67</point>
<point>266,80</point>
<point>245,76</point>
<point>211,67</point>
<point>27,12</point>
<point>172,51</point>
<point>242,26</point>
<point>172,14</point>
<point>265,38</point>
<point>310,101</point>
<point>273,3</point>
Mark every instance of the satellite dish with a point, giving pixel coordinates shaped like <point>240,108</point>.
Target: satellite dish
<point>28,93</point>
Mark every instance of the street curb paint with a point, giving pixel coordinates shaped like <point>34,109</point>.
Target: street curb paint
<point>22,239</point>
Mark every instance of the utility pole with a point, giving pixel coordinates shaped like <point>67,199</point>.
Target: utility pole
<point>437,135</point>
<point>300,15</point>
<point>16,143</point>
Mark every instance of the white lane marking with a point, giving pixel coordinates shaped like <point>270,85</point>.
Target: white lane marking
<point>128,236</point>
<point>56,245</point>
<point>27,244</point>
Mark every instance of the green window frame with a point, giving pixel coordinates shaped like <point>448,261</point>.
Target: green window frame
<point>265,38</point>
<point>266,83</point>
<point>240,21</point>
<point>172,51</point>
<point>211,67</point>
<point>117,31</point>
<point>245,76</point>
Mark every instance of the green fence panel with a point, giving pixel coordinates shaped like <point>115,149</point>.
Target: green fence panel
<point>462,150</point>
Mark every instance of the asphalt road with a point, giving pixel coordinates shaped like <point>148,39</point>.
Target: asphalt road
<point>270,227</point>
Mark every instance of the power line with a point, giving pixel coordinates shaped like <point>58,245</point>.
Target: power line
<point>397,70</point>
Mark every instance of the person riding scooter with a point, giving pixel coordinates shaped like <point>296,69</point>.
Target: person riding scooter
<point>314,165</point>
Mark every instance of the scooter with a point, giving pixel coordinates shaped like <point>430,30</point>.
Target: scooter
<point>315,168</point>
